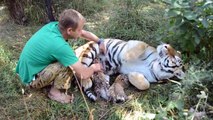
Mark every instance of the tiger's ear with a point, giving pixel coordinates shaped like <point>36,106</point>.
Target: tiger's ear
<point>171,50</point>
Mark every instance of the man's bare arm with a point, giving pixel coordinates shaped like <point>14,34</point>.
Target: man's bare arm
<point>92,37</point>
<point>83,72</point>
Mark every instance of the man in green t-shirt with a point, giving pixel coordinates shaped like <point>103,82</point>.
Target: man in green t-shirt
<point>47,58</point>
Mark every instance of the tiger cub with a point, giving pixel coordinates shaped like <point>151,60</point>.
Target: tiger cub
<point>101,85</point>
<point>116,90</point>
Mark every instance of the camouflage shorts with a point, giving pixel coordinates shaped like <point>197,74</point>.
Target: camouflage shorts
<point>54,74</point>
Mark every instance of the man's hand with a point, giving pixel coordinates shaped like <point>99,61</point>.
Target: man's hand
<point>92,37</point>
<point>83,72</point>
<point>102,48</point>
<point>97,67</point>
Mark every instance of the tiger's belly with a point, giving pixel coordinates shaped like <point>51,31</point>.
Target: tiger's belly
<point>143,69</point>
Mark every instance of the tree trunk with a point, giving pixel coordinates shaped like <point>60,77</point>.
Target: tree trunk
<point>48,4</point>
<point>16,11</point>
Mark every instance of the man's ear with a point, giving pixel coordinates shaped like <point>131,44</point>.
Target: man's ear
<point>69,30</point>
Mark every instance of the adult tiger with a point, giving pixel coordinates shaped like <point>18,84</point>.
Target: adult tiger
<point>142,63</point>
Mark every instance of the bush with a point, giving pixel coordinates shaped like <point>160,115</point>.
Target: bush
<point>191,26</point>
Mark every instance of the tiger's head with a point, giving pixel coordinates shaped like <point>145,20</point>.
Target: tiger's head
<point>170,61</point>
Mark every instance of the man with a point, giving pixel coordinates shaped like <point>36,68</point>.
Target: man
<point>47,59</point>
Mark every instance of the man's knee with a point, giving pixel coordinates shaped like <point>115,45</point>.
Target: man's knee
<point>53,73</point>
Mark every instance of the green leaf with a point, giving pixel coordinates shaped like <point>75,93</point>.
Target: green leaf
<point>210,17</point>
<point>190,15</point>
<point>208,2</point>
<point>201,32</point>
<point>176,5</point>
<point>183,27</point>
<point>205,23</point>
<point>185,5</point>
<point>179,104</point>
<point>173,13</point>
<point>178,21</point>
<point>197,39</point>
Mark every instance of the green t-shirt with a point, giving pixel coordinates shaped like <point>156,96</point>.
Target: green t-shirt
<point>46,46</point>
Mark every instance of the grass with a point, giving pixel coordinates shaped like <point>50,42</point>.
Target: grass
<point>162,101</point>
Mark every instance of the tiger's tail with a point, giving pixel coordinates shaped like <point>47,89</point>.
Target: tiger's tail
<point>86,87</point>
<point>90,95</point>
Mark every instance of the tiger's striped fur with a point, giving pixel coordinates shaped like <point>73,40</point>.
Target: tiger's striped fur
<point>87,54</point>
<point>142,63</point>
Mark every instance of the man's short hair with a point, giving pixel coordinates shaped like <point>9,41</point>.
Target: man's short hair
<point>69,18</point>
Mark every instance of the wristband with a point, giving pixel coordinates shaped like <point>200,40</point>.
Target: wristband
<point>100,41</point>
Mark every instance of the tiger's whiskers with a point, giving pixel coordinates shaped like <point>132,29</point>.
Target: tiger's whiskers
<point>173,81</point>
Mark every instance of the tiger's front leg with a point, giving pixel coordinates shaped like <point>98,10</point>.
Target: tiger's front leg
<point>138,80</point>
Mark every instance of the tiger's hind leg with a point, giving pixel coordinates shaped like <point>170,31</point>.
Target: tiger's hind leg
<point>135,50</point>
<point>138,80</point>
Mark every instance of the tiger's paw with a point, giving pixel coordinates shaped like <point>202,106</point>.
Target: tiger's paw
<point>117,94</point>
<point>121,98</point>
<point>116,91</point>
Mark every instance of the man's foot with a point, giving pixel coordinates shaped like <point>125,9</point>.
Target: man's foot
<point>58,96</point>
